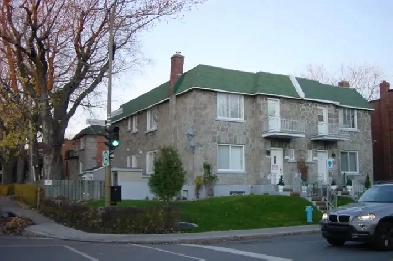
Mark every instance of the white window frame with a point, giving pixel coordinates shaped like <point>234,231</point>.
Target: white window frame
<point>227,95</point>
<point>231,170</point>
<point>134,161</point>
<point>82,143</point>
<point>128,162</point>
<point>80,167</point>
<point>357,161</point>
<point>150,112</point>
<point>129,123</point>
<point>341,118</point>
<point>149,158</point>
<point>310,155</point>
<point>291,154</point>
<point>134,123</point>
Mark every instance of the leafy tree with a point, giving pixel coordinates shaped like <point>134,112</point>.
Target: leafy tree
<point>169,175</point>
<point>57,54</point>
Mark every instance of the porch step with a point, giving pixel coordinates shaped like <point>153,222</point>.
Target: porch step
<point>316,198</point>
<point>288,189</point>
<point>322,208</point>
<point>344,193</point>
<point>294,194</point>
<point>320,203</point>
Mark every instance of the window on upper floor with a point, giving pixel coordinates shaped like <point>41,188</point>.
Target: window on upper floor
<point>150,156</point>
<point>152,119</point>
<point>134,162</point>
<point>132,123</point>
<point>348,118</point>
<point>230,158</point>
<point>80,167</point>
<point>230,106</point>
<point>349,161</point>
<point>128,161</point>
<point>291,154</point>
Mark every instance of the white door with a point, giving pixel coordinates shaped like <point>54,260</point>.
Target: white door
<point>273,107</point>
<point>277,158</point>
<point>323,127</point>
<point>322,166</point>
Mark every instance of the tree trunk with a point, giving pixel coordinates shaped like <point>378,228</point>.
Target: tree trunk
<point>52,143</point>
<point>20,167</point>
<point>8,170</point>
<point>37,170</point>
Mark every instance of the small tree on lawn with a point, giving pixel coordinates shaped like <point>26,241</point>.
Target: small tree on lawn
<point>169,175</point>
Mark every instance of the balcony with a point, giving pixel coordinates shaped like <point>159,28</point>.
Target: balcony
<point>330,132</point>
<point>278,127</point>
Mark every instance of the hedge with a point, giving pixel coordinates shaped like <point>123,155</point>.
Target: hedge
<point>112,220</point>
<point>27,194</point>
<point>6,190</point>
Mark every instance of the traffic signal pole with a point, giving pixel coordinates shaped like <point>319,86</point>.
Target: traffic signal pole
<point>108,169</point>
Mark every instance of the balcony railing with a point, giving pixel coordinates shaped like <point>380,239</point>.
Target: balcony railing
<point>330,131</point>
<point>281,127</point>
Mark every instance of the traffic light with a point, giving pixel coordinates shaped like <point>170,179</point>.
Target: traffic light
<point>115,136</point>
<point>112,136</point>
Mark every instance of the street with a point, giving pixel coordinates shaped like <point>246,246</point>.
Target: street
<point>296,248</point>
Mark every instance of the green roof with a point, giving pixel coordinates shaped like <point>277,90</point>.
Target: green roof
<point>227,80</point>
<point>91,130</point>
<point>342,95</point>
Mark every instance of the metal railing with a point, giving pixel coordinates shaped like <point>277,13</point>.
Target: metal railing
<point>330,129</point>
<point>279,124</point>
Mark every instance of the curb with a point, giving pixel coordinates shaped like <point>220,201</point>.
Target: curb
<point>214,239</point>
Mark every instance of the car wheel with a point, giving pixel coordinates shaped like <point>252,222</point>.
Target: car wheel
<point>335,241</point>
<point>384,236</point>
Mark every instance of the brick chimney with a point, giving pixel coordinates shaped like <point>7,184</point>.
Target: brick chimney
<point>177,62</point>
<point>383,88</point>
<point>344,84</point>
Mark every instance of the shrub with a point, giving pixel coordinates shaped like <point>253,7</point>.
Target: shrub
<point>367,183</point>
<point>28,194</point>
<point>169,175</point>
<point>6,190</point>
<point>113,220</point>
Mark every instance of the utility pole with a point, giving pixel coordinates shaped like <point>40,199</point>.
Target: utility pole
<point>108,169</point>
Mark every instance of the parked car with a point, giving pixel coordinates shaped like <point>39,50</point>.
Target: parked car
<point>368,220</point>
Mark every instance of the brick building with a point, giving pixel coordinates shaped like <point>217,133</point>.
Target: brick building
<point>382,133</point>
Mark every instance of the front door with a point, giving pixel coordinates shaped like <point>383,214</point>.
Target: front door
<point>322,166</point>
<point>323,127</point>
<point>273,107</point>
<point>277,158</point>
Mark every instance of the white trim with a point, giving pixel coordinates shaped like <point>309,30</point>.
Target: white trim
<point>248,94</point>
<point>128,161</point>
<point>241,106</point>
<point>149,116</point>
<point>231,170</point>
<point>147,157</point>
<point>341,119</point>
<point>310,154</point>
<point>134,161</point>
<point>291,154</point>
<point>357,162</point>
<point>297,86</point>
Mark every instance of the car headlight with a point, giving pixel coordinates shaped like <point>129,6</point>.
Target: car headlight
<point>324,216</point>
<point>368,217</point>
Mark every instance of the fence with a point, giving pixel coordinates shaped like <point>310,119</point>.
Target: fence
<point>74,189</point>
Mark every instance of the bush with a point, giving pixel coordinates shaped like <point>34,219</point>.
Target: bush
<point>6,190</point>
<point>28,194</point>
<point>113,220</point>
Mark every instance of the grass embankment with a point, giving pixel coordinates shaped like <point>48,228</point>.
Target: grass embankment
<point>236,212</point>
<point>342,201</point>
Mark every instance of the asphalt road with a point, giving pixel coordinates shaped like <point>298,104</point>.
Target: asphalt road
<point>295,248</point>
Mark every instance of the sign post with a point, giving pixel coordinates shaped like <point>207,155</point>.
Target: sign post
<point>329,164</point>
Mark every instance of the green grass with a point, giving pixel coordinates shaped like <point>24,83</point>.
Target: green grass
<point>237,212</point>
<point>342,201</point>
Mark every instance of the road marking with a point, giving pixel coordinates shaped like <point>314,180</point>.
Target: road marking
<point>81,253</point>
<point>169,252</point>
<point>239,252</point>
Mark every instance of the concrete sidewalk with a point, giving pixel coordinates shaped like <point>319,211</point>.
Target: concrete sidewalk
<point>48,228</point>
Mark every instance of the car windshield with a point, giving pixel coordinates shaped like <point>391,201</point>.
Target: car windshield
<point>383,194</point>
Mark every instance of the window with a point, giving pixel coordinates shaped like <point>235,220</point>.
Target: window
<point>135,123</point>
<point>129,123</point>
<point>150,156</point>
<point>230,157</point>
<point>152,117</point>
<point>291,154</point>
<point>349,161</point>
<point>309,155</point>
<point>80,167</point>
<point>230,106</point>
<point>82,143</point>
<point>128,161</point>
<point>134,163</point>
<point>348,118</point>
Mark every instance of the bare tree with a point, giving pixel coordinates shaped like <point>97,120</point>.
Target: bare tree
<point>59,51</point>
<point>364,78</point>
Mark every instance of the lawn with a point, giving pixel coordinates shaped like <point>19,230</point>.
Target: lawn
<point>237,212</point>
<point>341,201</point>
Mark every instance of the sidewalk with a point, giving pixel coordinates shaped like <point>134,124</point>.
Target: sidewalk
<point>48,228</point>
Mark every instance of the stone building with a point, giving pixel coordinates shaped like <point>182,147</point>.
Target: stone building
<point>87,152</point>
<point>251,127</point>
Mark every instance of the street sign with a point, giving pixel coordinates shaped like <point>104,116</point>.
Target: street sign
<point>329,163</point>
<point>96,122</point>
<point>105,158</point>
